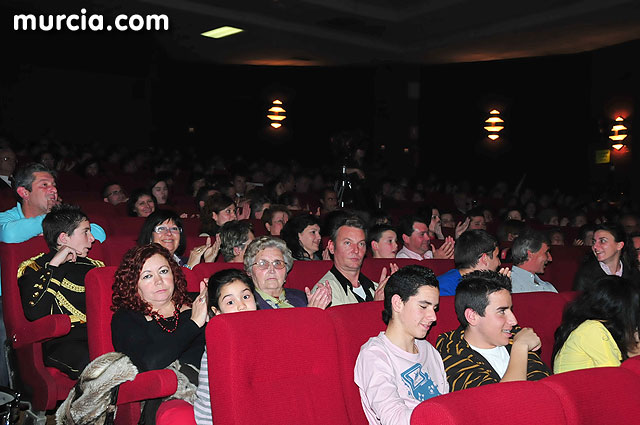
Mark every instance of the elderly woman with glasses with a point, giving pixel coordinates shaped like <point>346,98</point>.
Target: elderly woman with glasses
<point>164,227</point>
<point>268,260</point>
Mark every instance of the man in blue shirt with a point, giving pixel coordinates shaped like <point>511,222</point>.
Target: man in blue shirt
<point>474,250</point>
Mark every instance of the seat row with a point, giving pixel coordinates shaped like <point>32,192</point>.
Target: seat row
<point>296,366</point>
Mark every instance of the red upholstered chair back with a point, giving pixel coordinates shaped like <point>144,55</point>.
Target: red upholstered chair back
<point>541,311</point>
<point>98,287</point>
<point>438,266</point>
<point>47,385</point>
<point>599,396</point>
<point>522,403</point>
<point>561,272</point>
<point>205,270</point>
<point>129,226</point>
<point>354,325</point>
<point>307,273</point>
<point>115,246</point>
<point>275,367</point>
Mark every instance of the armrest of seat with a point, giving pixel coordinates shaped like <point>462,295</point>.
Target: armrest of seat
<point>148,385</point>
<point>43,329</point>
<point>175,412</point>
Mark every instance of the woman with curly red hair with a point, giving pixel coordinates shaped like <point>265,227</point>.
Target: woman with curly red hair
<point>154,321</point>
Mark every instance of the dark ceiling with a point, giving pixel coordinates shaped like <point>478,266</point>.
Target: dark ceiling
<point>363,32</point>
<point>344,32</point>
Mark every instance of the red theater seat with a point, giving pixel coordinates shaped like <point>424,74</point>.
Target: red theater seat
<point>275,367</point>
<point>146,385</point>
<point>522,403</point>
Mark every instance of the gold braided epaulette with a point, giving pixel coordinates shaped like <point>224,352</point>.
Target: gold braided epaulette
<point>31,262</point>
<point>96,263</point>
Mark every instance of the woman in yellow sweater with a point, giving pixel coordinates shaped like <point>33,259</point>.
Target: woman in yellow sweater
<point>600,327</point>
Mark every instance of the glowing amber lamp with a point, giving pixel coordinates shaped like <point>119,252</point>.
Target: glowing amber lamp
<point>277,114</point>
<point>492,124</point>
<point>618,134</point>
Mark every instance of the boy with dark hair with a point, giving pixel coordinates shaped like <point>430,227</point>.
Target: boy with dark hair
<point>398,369</point>
<point>53,283</point>
<point>488,347</point>
<point>383,241</point>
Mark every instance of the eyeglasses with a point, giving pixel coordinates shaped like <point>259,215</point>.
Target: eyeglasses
<point>115,192</point>
<point>264,264</point>
<point>164,229</point>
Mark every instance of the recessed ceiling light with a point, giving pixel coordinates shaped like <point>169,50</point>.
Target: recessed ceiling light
<point>222,32</point>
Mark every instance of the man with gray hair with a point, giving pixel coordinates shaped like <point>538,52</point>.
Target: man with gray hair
<point>530,255</point>
<point>234,238</point>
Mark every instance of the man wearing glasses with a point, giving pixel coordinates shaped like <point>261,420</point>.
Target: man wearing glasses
<point>114,194</point>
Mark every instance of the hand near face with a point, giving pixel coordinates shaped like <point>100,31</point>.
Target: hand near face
<point>446,249</point>
<point>379,294</point>
<point>505,271</point>
<point>64,254</point>
<point>212,250</point>
<point>246,211</point>
<point>326,255</point>
<point>527,337</point>
<point>462,227</point>
<point>321,298</point>
<point>199,307</point>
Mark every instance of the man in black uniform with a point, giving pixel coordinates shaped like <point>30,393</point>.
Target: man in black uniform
<point>53,283</point>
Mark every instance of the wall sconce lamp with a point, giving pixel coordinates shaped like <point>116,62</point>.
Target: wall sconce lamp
<point>493,124</point>
<point>618,133</point>
<point>276,114</point>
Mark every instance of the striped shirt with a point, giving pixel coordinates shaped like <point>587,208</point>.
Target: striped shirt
<point>202,405</point>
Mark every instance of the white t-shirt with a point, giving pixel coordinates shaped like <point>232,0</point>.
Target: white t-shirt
<point>393,382</point>
<point>497,357</point>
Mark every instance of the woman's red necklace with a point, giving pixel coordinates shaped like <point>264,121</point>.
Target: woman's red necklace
<point>157,317</point>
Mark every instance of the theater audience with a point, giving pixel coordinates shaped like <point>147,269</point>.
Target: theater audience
<point>164,227</point>
<point>600,327</point>
<point>113,194</point>
<point>613,254</point>
<point>234,237</point>
<point>141,203</point>
<point>302,236</point>
<point>154,322</point>
<point>410,304</point>
<point>160,189</point>
<point>35,187</point>
<point>474,250</point>
<point>275,217</point>
<point>229,291</point>
<point>383,241</point>
<point>415,237</point>
<point>488,347</point>
<point>347,244</point>
<point>218,210</point>
<point>268,261</point>
<point>53,283</point>
<point>530,254</point>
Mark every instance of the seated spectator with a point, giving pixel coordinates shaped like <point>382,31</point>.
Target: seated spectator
<point>347,245</point>
<point>613,254</point>
<point>259,202</point>
<point>154,322</point>
<point>113,194</point>
<point>600,327</point>
<point>268,261</point>
<point>35,188</point>
<point>476,219</point>
<point>415,237</point>
<point>383,241</point>
<point>141,203</point>
<point>164,227</point>
<point>7,167</point>
<point>290,200</point>
<point>488,215</point>
<point>387,362</point>
<point>556,237</point>
<point>513,214</point>
<point>380,216</point>
<point>629,223</point>
<point>488,347</point>
<point>328,201</point>
<point>635,239</point>
<point>447,220</point>
<point>431,215</point>
<point>585,235</point>
<point>530,255</point>
<point>474,250</point>
<point>53,283</point>
<point>205,192</point>
<point>549,217</point>
<point>160,189</point>
<point>578,219</point>
<point>274,218</point>
<point>509,230</point>
<point>218,210</point>
<point>234,237</point>
<point>302,236</point>
<point>229,291</point>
